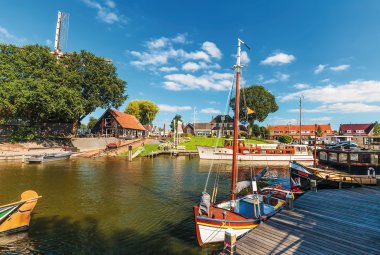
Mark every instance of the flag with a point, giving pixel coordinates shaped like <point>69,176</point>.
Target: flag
<point>250,111</point>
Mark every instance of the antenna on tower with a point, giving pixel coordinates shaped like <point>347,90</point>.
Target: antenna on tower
<point>61,33</point>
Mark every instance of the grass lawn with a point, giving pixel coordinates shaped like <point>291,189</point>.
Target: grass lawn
<point>206,141</point>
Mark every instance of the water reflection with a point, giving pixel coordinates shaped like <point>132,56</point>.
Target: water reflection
<point>102,206</point>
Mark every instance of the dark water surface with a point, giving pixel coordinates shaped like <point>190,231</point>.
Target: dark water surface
<point>111,206</point>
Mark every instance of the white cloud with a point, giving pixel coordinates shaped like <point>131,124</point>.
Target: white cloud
<point>270,81</point>
<point>191,66</point>
<point>301,86</point>
<point>107,12</point>
<point>319,69</point>
<point>48,42</point>
<point>173,108</point>
<point>282,76</point>
<point>6,36</point>
<point>354,91</point>
<point>212,49</point>
<point>339,68</point>
<point>245,58</point>
<point>326,118</point>
<point>207,81</point>
<point>278,59</point>
<point>158,43</point>
<point>211,110</point>
<point>110,4</point>
<point>180,38</point>
<point>343,108</point>
<point>168,69</point>
<point>325,80</point>
<point>283,121</point>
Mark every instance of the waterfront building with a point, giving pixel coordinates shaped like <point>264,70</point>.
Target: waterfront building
<point>362,133</point>
<point>307,131</point>
<point>198,129</point>
<point>118,124</point>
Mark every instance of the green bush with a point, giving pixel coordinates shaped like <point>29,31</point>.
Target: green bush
<point>23,134</point>
<point>285,139</point>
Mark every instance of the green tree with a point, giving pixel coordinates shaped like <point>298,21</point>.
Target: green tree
<point>257,98</point>
<point>285,139</point>
<point>319,132</point>
<point>256,130</point>
<point>144,110</point>
<point>264,132</point>
<point>376,128</point>
<point>174,122</point>
<point>91,122</point>
<point>33,87</point>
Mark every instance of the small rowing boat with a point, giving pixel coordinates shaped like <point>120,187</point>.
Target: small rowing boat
<point>15,217</point>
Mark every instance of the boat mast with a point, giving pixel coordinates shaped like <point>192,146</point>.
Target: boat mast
<point>237,68</point>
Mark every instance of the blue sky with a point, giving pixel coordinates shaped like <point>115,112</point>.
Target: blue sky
<point>179,54</point>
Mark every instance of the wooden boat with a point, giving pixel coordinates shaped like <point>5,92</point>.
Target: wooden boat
<point>334,179</point>
<point>257,152</point>
<point>15,217</point>
<point>49,157</point>
<point>352,161</point>
<point>241,213</point>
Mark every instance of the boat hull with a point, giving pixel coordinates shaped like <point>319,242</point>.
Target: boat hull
<point>226,154</point>
<point>49,157</point>
<point>15,217</point>
<point>211,230</point>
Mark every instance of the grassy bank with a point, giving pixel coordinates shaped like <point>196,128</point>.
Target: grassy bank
<point>148,148</point>
<point>213,141</point>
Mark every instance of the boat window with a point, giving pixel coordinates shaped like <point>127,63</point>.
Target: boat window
<point>245,151</point>
<point>323,155</point>
<point>332,156</point>
<point>374,158</point>
<point>365,158</point>
<point>354,157</point>
<point>343,157</point>
<point>279,151</point>
<point>288,152</point>
<point>263,152</point>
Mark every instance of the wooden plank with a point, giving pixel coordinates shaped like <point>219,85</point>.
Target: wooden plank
<point>346,223</point>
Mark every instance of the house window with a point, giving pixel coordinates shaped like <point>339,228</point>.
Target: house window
<point>108,122</point>
<point>293,132</point>
<point>327,131</point>
<point>348,131</point>
<point>359,131</point>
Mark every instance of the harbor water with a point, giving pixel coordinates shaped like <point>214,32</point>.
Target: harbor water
<point>112,206</point>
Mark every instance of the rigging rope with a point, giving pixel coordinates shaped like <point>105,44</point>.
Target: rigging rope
<point>226,110</point>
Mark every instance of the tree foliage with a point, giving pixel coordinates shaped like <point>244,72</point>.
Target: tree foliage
<point>91,122</point>
<point>174,122</point>
<point>144,110</point>
<point>35,88</point>
<point>319,132</point>
<point>258,99</point>
<point>285,139</point>
<point>376,129</point>
<point>256,130</point>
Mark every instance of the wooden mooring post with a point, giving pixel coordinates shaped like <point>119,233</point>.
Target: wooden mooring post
<point>130,152</point>
<point>229,242</point>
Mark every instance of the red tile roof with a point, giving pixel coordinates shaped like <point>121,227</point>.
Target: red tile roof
<point>324,127</point>
<point>366,127</point>
<point>126,120</point>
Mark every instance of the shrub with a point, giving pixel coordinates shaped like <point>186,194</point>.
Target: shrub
<point>22,134</point>
<point>285,139</point>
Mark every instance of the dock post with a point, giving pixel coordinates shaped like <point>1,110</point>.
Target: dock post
<point>23,158</point>
<point>313,185</point>
<point>229,242</point>
<point>289,202</point>
<point>130,152</point>
<point>340,185</point>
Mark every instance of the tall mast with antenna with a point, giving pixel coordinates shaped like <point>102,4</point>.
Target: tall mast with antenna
<point>301,119</point>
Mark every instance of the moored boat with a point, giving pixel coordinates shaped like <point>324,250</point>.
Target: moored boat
<point>352,161</point>
<point>241,213</point>
<point>257,152</point>
<point>15,217</point>
<point>49,157</point>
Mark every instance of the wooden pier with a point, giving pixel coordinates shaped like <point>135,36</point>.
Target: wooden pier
<point>345,221</point>
<point>172,153</point>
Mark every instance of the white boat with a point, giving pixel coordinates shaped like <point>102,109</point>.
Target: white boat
<point>49,157</point>
<point>257,152</point>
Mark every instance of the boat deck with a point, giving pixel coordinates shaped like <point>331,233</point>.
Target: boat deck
<point>337,221</point>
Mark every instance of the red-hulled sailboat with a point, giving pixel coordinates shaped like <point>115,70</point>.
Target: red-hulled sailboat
<point>241,213</point>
